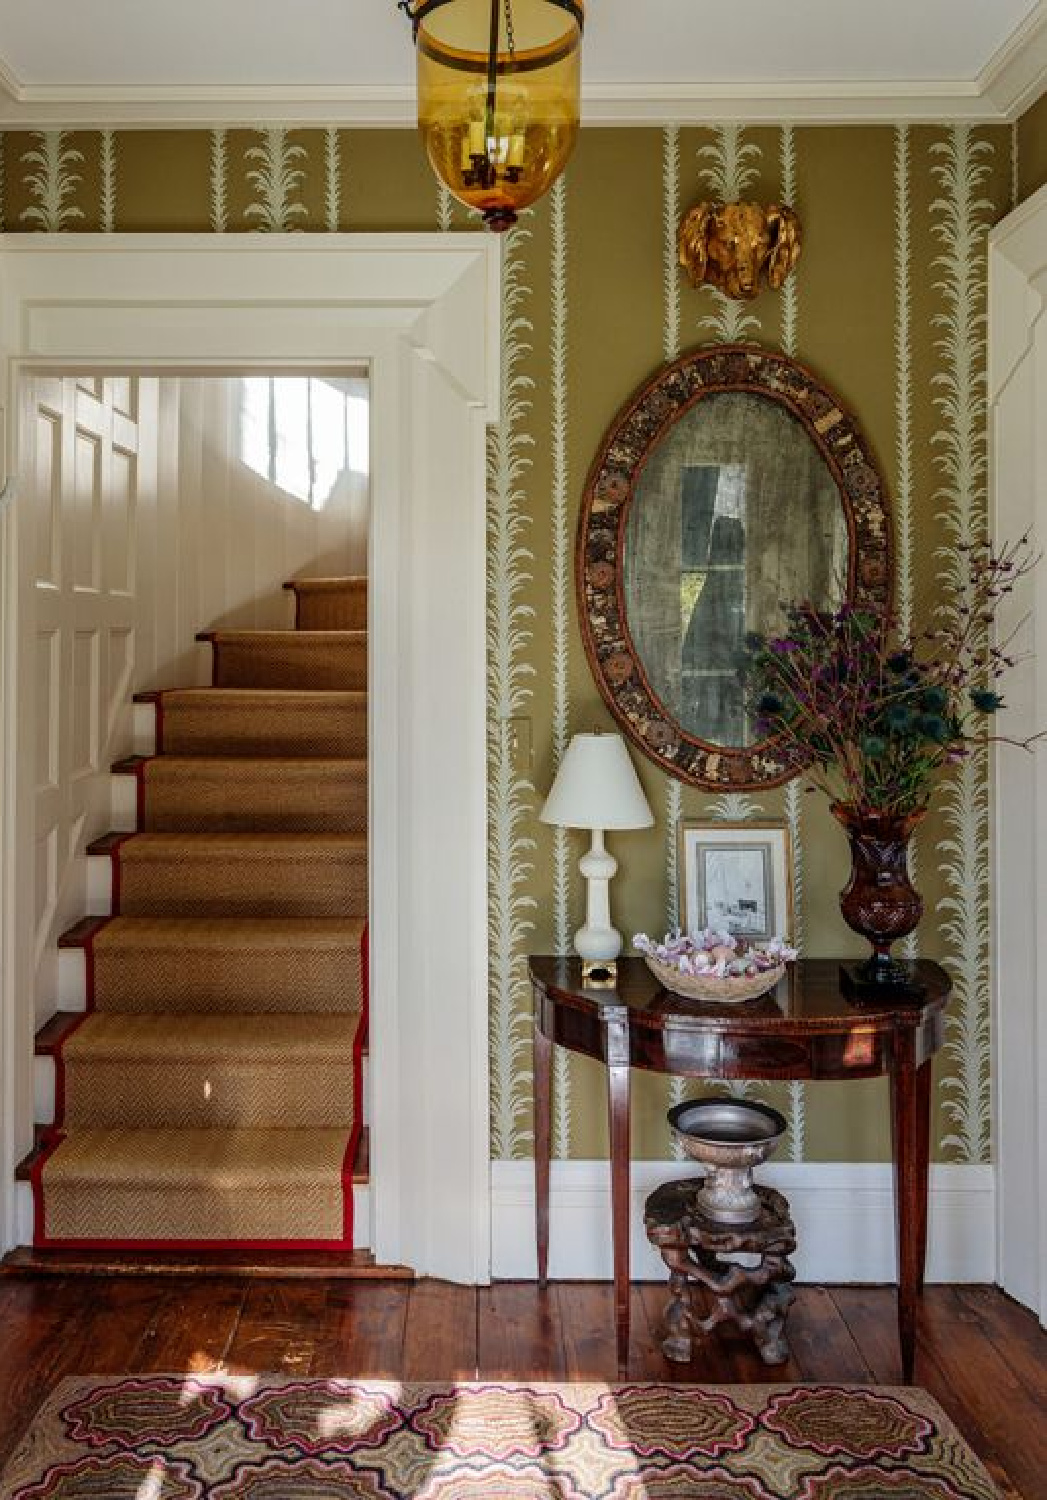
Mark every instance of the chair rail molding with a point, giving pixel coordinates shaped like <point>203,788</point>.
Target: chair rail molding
<point>1018,476</point>
<point>422,312</point>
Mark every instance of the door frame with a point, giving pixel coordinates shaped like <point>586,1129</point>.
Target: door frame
<point>1018,470</point>
<point>422,311</point>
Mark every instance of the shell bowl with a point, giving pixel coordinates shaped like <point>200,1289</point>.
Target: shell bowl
<point>727,991</point>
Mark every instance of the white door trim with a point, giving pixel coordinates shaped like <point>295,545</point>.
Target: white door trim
<point>422,310</point>
<point>1018,467</point>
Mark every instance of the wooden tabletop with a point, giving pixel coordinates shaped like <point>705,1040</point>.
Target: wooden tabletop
<point>809,998</point>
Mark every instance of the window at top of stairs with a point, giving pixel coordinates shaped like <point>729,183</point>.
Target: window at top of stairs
<point>305,433</point>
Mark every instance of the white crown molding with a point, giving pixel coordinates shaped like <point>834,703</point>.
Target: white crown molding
<point>40,108</point>
<point>1016,76</point>
<point>1012,80</point>
<point>11,89</point>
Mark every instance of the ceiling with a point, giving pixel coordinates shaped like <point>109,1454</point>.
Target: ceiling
<point>68,62</point>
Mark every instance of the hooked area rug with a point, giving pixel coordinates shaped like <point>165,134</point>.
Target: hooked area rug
<point>174,1437</point>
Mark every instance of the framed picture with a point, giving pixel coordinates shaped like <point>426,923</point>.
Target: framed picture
<point>736,877</point>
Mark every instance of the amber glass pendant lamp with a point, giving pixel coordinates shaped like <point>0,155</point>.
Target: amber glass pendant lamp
<point>499,85</point>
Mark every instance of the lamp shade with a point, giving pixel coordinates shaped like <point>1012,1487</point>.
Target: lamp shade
<point>597,787</point>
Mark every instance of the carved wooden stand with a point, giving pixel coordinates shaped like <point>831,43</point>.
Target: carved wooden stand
<point>756,1298</point>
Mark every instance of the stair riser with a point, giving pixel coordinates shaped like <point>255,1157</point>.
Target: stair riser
<point>275,980</point>
<point>221,801</point>
<point>199,727</point>
<point>124,1094</point>
<point>362,1236</point>
<point>229,982</point>
<point>44,1070</point>
<point>326,611</point>
<point>295,665</point>
<point>229,888</point>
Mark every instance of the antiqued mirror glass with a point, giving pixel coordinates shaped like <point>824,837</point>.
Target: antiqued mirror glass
<point>734,512</point>
<point>733,484</point>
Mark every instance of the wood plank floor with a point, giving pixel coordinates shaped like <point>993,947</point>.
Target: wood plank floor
<point>982,1356</point>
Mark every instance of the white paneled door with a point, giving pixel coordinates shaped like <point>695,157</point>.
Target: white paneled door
<point>76,607</point>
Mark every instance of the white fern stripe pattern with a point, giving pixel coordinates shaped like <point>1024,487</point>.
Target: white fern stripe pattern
<point>560,540</point>
<point>670,254</point>
<point>509,638</point>
<point>560,583</point>
<point>52,182</point>
<point>673,812</point>
<point>108,162</point>
<point>671,350</point>
<point>444,207</point>
<point>219,181</point>
<point>333,179</point>
<point>903,378</point>
<point>794,818</point>
<point>904,520</point>
<point>734,807</point>
<point>790,293</point>
<point>276,179</point>
<point>729,166</point>
<point>961,215</point>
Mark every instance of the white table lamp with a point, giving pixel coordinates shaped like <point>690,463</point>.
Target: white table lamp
<point>597,788</point>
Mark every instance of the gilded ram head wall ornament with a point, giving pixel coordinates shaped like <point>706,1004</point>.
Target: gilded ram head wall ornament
<point>736,246</point>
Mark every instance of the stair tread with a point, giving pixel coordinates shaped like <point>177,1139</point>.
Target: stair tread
<point>293,697</point>
<point>297,639</point>
<point>202,845</point>
<point>215,932</point>
<point>243,765</point>
<point>251,1038</point>
<point>244,1153</point>
<point>52,1035</point>
<point>330,582</point>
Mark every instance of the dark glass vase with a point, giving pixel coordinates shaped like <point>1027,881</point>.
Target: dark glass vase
<point>880,901</point>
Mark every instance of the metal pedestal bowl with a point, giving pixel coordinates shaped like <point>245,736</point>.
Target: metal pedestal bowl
<point>729,1137</point>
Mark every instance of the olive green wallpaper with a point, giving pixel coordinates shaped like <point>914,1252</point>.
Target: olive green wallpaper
<point>1032,149</point>
<point>887,306</point>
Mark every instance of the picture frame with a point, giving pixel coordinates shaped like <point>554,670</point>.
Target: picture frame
<point>737,878</point>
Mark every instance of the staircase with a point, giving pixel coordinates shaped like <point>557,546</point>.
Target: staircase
<point>206,1072</point>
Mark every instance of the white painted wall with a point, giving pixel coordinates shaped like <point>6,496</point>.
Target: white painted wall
<point>1018,456</point>
<point>226,539</point>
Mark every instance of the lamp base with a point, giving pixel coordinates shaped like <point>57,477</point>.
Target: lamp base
<point>600,973</point>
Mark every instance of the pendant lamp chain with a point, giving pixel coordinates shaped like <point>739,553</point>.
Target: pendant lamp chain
<point>509,35</point>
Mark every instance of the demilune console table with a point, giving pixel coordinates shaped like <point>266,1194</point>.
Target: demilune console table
<point>804,1029</point>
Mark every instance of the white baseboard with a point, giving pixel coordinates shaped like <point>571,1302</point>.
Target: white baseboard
<point>844,1214</point>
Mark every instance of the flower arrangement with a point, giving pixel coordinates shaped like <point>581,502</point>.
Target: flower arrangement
<point>715,955</point>
<point>877,711</point>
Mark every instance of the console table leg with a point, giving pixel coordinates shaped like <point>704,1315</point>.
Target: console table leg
<point>910,1108</point>
<point>542,1089</point>
<point>922,1104</point>
<point>616,1054</point>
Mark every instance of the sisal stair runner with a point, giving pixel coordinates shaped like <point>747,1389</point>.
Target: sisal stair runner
<point>210,1096</point>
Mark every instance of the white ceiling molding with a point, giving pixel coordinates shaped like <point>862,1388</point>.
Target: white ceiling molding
<point>375,106</point>
<point>1012,78</point>
<point>1017,75</point>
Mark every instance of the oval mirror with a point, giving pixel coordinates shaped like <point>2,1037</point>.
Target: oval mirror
<point>732,485</point>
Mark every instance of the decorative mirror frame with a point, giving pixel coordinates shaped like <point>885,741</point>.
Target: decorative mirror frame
<point>609,493</point>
